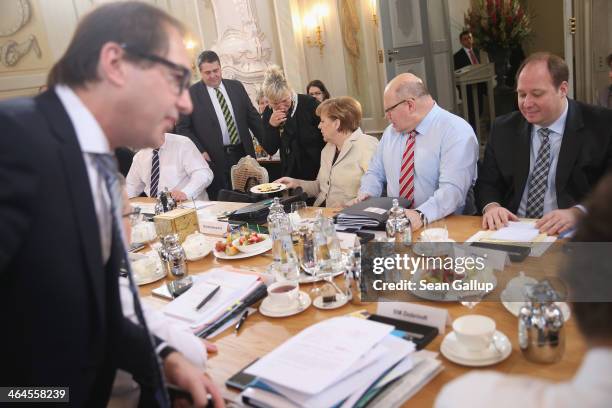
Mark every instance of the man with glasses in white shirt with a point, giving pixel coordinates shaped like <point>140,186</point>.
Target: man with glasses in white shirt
<point>426,155</point>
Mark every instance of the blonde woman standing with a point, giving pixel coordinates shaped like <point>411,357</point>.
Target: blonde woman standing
<point>291,126</point>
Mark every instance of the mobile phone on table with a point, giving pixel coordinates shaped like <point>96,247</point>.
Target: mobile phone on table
<point>241,380</point>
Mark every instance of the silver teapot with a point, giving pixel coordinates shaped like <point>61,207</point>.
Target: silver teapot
<point>174,260</point>
<point>165,202</point>
<point>540,324</point>
<point>398,225</point>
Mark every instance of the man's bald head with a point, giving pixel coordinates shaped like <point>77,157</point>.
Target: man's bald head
<point>406,85</point>
<point>406,101</point>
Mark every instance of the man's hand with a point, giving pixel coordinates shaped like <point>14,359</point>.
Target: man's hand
<point>277,118</point>
<point>360,197</point>
<point>496,217</point>
<point>288,181</point>
<point>178,195</point>
<point>415,219</point>
<point>210,347</point>
<point>558,221</point>
<point>206,157</point>
<point>180,372</point>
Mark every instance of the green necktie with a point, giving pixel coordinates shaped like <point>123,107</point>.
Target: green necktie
<point>229,120</point>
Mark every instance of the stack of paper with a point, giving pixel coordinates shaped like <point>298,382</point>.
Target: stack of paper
<point>337,362</point>
<point>233,287</point>
<point>516,232</point>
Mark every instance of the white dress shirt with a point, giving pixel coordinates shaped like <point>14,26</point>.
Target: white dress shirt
<point>92,140</point>
<point>591,387</point>
<point>555,138</point>
<point>445,156</point>
<point>219,112</point>
<point>181,167</point>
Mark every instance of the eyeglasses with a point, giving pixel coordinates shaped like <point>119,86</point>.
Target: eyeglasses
<point>388,110</point>
<point>181,74</point>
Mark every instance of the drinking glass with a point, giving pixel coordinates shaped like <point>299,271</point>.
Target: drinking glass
<point>299,208</point>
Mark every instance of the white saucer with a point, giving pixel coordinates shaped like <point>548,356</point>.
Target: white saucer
<point>457,353</point>
<point>242,255</point>
<point>515,307</point>
<point>303,304</point>
<point>318,302</point>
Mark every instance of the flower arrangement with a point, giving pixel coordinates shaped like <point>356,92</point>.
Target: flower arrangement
<point>498,24</point>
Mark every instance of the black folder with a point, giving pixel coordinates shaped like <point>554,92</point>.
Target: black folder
<point>371,213</point>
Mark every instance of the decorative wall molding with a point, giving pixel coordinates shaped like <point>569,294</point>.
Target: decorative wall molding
<point>14,14</point>
<point>11,51</point>
<point>243,48</point>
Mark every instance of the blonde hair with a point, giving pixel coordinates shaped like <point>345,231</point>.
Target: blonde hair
<point>346,109</point>
<point>275,85</point>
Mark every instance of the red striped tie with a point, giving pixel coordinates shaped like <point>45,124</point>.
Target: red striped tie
<point>406,181</point>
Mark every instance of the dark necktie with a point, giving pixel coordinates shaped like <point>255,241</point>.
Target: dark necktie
<point>154,174</point>
<point>107,166</point>
<point>539,177</point>
<point>229,120</point>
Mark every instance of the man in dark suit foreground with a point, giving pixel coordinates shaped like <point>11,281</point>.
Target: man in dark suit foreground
<point>541,162</point>
<point>121,82</point>
<point>219,126</point>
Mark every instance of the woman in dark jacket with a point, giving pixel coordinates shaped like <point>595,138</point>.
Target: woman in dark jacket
<point>291,126</point>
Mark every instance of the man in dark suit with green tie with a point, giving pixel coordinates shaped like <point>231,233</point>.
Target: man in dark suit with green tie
<point>219,125</point>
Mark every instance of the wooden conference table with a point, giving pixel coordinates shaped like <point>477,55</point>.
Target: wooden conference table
<point>259,334</point>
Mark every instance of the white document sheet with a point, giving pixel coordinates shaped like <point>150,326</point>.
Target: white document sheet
<point>358,379</point>
<point>318,356</point>
<point>517,232</point>
<point>234,286</point>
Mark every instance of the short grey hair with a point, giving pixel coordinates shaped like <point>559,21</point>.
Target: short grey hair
<point>275,86</point>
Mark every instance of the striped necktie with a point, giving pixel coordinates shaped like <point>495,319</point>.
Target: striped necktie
<point>406,181</point>
<point>154,174</point>
<point>229,120</point>
<point>107,166</point>
<point>539,177</point>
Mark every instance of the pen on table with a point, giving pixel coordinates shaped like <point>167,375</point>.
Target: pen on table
<point>208,297</point>
<point>241,321</point>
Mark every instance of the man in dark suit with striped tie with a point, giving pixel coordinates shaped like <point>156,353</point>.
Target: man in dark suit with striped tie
<point>542,161</point>
<point>220,122</point>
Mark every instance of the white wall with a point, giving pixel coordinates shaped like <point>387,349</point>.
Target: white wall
<point>456,11</point>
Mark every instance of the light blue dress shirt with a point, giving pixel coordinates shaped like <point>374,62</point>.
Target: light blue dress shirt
<point>555,138</point>
<point>445,158</point>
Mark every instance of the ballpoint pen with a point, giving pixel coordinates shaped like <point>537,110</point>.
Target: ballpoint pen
<point>208,297</point>
<point>241,321</point>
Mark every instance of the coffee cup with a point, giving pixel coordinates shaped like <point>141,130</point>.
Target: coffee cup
<point>283,295</point>
<point>474,332</point>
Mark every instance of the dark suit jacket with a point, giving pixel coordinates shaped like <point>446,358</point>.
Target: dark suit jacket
<point>202,126</point>
<point>60,312</point>
<point>584,157</point>
<point>301,143</point>
<point>461,59</point>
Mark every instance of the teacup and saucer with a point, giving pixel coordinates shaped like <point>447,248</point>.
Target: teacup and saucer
<point>475,342</point>
<point>284,299</point>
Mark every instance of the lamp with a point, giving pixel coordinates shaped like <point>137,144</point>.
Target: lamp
<point>191,46</point>
<point>313,22</point>
<point>373,9</point>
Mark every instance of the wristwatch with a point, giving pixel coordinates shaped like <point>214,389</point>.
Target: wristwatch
<point>423,217</point>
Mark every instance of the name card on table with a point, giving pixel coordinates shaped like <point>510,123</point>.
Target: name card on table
<point>410,312</point>
<point>213,227</point>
